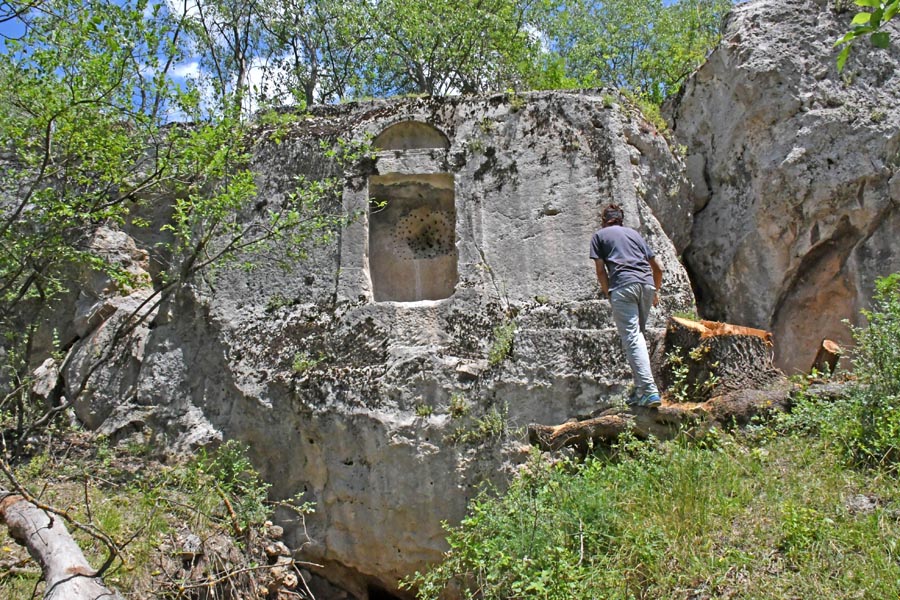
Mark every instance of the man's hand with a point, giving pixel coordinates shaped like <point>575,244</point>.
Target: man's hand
<point>656,299</point>
<point>602,278</point>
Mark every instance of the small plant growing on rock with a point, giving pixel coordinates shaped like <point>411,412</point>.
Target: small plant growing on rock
<point>689,315</point>
<point>490,426</point>
<point>459,407</point>
<point>303,362</point>
<point>504,334</point>
<point>424,410</point>
<point>516,101</point>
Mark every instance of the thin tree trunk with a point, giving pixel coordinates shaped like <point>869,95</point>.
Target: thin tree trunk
<point>66,571</point>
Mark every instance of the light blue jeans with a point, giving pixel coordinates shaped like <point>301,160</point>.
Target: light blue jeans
<point>630,307</point>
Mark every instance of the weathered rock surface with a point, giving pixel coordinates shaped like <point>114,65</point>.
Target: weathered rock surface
<point>795,174</point>
<point>370,390</point>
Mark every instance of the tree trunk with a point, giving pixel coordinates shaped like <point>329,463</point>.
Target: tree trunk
<point>690,418</point>
<point>66,571</point>
<point>827,357</point>
<point>705,359</point>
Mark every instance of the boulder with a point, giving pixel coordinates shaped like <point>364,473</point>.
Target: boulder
<point>794,171</point>
<point>388,376</point>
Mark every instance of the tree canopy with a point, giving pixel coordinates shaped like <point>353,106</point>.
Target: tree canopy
<point>246,54</point>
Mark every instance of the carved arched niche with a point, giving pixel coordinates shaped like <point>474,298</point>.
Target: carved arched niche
<point>412,237</point>
<point>412,216</point>
<point>410,135</point>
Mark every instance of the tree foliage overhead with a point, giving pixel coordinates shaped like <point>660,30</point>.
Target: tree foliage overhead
<point>449,46</point>
<point>868,23</point>
<point>645,46</point>
<point>321,51</point>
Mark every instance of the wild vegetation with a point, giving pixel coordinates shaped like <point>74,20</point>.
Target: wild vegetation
<point>806,504</point>
<point>196,528</point>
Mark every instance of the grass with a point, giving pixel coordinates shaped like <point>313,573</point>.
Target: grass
<point>502,345</point>
<point>749,516</point>
<point>145,506</point>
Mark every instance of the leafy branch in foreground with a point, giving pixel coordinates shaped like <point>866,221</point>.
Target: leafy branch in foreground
<point>868,23</point>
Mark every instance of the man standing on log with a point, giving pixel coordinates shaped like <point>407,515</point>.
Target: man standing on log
<point>630,277</point>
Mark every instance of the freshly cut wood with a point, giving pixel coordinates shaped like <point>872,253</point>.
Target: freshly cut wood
<point>724,371</point>
<point>705,359</point>
<point>827,357</point>
<point>67,573</point>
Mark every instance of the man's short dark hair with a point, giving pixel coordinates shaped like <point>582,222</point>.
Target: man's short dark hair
<point>613,215</point>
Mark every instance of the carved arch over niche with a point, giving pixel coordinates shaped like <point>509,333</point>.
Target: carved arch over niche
<point>410,135</point>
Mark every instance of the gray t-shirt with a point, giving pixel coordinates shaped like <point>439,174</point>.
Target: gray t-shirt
<point>625,255</point>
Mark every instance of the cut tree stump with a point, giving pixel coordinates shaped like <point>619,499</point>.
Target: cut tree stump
<point>725,371</point>
<point>66,571</point>
<point>827,357</point>
<point>705,359</point>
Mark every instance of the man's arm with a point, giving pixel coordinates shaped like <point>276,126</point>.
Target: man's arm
<point>657,278</point>
<point>602,279</point>
<point>657,273</point>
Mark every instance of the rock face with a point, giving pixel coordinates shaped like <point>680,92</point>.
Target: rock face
<point>388,375</point>
<point>794,172</point>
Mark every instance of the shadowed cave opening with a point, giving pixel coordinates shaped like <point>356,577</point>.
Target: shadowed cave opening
<point>412,237</point>
<point>376,593</point>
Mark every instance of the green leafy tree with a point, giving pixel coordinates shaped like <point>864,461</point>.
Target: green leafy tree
<point>438,47</point>
<point>227,37</point>
<point>314,50</point>
<point>646,47</point>
<point>86,104</point>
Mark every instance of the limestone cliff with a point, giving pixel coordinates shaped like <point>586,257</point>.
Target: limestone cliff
<point>389,374</point>
<point>794,172</point>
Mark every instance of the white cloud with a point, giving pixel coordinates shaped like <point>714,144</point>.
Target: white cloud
<point>189,70</point>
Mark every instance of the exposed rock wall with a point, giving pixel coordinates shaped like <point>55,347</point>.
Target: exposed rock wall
<point>387,413</point>
<point>794,172</point>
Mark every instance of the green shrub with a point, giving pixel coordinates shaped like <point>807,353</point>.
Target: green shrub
<point>876,438</point>
<point>504,334</point>
<point>865,425</point>
<point>234,477</point>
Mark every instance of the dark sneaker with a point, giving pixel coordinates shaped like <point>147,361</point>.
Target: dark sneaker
<point>650,401</point>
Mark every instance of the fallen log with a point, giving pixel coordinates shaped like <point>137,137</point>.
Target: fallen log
<point>663,423</point>
<point>715,374</point>
<point>693,419</point>
<point>66,571</point>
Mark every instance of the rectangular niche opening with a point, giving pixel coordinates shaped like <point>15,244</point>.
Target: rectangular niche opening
<point>412,238</point>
